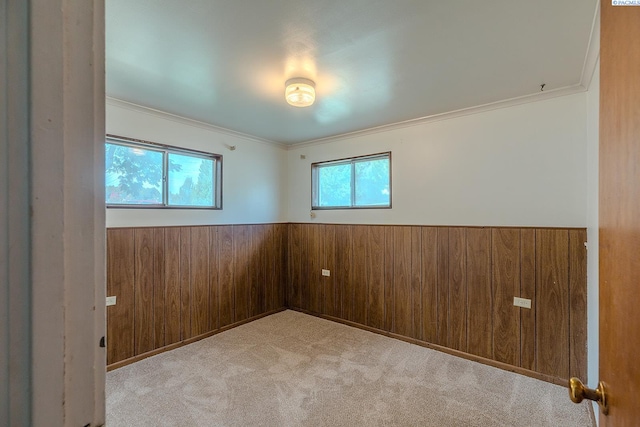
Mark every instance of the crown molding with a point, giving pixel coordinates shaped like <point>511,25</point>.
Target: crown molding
<point>593,50</point>
<point>189,122</point>
<point>526,99</point>
<point>591,60</point>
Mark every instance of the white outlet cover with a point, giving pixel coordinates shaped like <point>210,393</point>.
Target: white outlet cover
<point>111,301</point>
<point>326,272</point>
<point>522,302</point>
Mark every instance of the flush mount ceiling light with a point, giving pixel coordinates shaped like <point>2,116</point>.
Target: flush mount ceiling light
<point>300,92</point>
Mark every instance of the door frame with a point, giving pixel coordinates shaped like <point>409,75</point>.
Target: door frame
<point>52,224</point>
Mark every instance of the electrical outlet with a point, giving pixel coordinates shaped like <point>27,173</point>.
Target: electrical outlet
<point>326,272</point>
<point>522,302</point>
<point>111,301</point>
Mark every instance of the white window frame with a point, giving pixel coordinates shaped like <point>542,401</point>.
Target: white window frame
<point>166,150</point>
<point>315,167</point>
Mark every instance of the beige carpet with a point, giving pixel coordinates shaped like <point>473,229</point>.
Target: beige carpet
<point>290,369</point>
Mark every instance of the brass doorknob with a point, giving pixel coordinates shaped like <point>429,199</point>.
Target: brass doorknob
<point>578,392</point>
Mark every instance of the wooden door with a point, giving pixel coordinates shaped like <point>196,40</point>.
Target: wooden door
<point>620,212</point>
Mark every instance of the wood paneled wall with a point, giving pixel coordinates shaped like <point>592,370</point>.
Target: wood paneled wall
<point>176,283</point>
<point>452,287</point>
<point>448,286</point>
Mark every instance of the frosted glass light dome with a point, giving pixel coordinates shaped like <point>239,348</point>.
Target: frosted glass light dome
<point>300,92</point>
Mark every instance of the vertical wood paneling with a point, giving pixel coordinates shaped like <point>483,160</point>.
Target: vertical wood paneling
<point>316,257</point>
<point>159,290</point>
<point>330,307</point>
<point>375,277</point>
<point>185,282</point>
<point>402,304</point>
<point>506,284</point>
<point>282,239</point>
<point>448,286</point>
<point>552,292</point>
<point>443,286</point>
<point>199,278</point>
<point>120,280</point>
<point>257,274</point>
<point>253,265</point>
<point>225,275</point>
<point>272,262</point>
<point>241,271</point>
<point>457,337</point>
<point>528,290</point>
<point>265,251</point>
<point>359,263</point>
<point>143,290</point>
<point>214,284</point>
<point>429,291</point>
<point>480,309</point>
<point>416,279</point>
<point>169,280</point>
<point>578,304</point>
<point>295,264</point>
<point>344,271</point>
<point>305,279</point>
<point>389,256</point>
<point>173,307</point>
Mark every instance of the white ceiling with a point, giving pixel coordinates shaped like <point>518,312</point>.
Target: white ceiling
<point>375,62</point>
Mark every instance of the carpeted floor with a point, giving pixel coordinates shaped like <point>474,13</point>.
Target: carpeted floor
<point>290,369</point>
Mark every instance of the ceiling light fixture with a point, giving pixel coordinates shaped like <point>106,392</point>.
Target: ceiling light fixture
<point>300,92</point>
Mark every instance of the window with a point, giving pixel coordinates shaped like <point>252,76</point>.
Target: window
<point>357,182</point>
<point>145,174</point>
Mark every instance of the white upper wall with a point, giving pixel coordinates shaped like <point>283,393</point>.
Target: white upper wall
<point>254,174</point>
<point>524,165</point>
